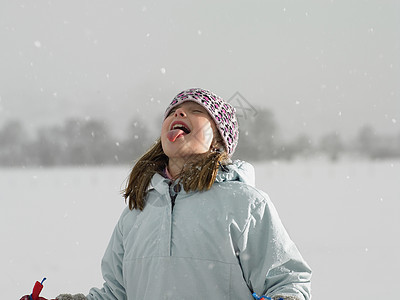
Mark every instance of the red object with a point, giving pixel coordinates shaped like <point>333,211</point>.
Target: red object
<point>37,289</point>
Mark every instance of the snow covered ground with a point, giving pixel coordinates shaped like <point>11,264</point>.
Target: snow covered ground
<point>344,217</point>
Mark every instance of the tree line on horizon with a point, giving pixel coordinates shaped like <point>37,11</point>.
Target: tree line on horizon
<point>87,142</point>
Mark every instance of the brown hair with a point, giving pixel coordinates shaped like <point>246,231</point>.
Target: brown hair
<point>198,174</point>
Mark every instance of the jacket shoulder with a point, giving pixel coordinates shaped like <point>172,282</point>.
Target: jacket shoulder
<point>244,192</point>
<point>127,218</point>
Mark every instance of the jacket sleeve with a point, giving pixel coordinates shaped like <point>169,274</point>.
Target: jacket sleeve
<point>111,267</point>
<point>270,261</point>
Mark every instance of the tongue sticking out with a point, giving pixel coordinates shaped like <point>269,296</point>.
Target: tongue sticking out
<point>173,134</point>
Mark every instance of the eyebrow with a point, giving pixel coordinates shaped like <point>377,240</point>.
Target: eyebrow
<point>191,103</point>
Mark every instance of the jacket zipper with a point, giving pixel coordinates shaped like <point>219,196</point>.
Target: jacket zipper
<point>173,202</point>
<point>174,189</point>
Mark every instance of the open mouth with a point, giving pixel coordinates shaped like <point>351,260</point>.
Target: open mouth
<point>178,129</point>
<point>181,126</point>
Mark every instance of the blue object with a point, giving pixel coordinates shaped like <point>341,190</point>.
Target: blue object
<point>261,298</point>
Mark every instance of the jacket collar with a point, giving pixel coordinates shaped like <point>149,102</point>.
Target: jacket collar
<point>236,171</point>
<point>159,183</point>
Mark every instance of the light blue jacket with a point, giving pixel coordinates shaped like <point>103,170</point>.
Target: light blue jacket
<point>224,243</point>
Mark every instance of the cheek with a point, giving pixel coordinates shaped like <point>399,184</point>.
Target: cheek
<point>164,127</point>
<point>164,131</point>
<point>208,134</point>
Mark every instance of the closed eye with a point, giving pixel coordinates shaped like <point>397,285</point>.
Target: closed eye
<point>171,112</point>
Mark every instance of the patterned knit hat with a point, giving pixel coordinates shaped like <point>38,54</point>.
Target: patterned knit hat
<point>222,113</point>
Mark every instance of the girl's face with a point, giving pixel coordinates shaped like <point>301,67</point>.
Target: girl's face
<point>187,130</point>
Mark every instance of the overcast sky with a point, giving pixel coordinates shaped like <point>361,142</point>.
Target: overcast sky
<point>320,66</point>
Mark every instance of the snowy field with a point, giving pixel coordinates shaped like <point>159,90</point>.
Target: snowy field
<point>344,217</point>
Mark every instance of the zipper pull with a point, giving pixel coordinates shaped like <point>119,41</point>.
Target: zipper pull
<point>174,189</point>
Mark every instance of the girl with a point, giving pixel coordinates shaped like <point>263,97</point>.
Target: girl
<point>196,227</point>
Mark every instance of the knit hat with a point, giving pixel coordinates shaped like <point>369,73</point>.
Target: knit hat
<point>223,114</point>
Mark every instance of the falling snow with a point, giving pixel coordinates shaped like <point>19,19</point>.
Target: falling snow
<point>332,211</point>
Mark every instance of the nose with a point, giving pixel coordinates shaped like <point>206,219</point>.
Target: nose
<point>180,112</point>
